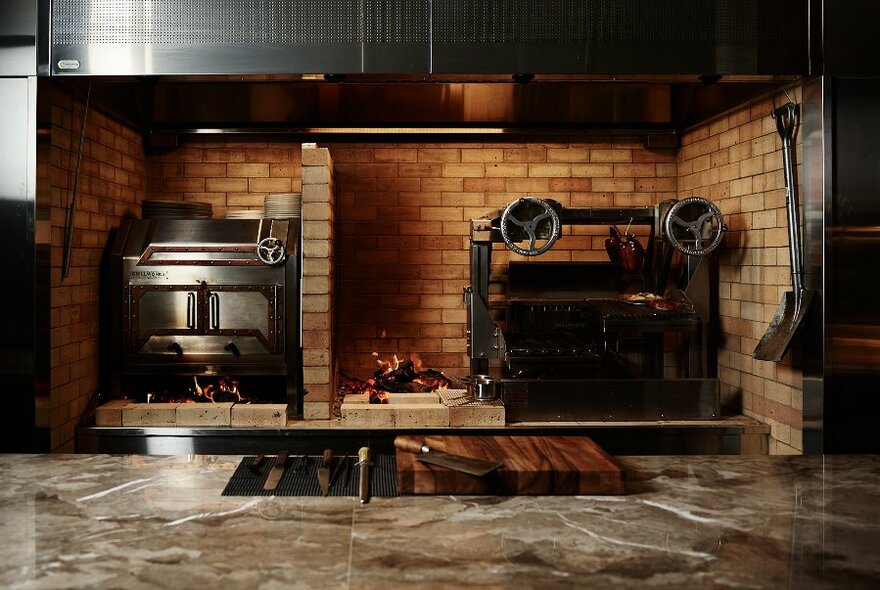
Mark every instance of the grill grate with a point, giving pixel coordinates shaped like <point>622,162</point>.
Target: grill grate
<point>612,309</point>
<point>561,343</point>
<point>614,315</point>
<point>304,482</point>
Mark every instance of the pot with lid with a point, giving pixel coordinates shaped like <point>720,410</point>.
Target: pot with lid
<point>482,388</point>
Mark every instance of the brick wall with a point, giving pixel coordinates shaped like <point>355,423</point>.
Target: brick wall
<point>735,161</point>
<point>228,173</point>
<point>111,186</point>
<point>402,215</point>
<point>403,222</point>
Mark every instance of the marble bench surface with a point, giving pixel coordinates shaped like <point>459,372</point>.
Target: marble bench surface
<point>99,521</point>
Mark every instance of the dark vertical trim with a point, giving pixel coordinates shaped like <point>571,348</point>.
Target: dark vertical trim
<point>814,176</point>
<point>18,133</point>
<point>44,37</point>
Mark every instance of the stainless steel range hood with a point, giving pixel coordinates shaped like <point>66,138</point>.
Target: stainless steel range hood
<point>155,37</point>
<point>319,65</point>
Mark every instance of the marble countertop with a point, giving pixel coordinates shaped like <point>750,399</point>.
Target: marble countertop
<point>98,521</point>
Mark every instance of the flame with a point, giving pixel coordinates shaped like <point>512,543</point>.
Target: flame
<point>387,366</point>
<point>226,389</point>
<point>395,376</point>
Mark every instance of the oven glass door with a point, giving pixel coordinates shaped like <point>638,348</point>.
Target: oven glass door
<point>246,312</point>
<point>160,311</point>
<point>212,320</point>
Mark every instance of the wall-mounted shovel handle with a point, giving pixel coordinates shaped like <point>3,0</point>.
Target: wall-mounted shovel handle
<point>786,118</point>
<point>411,444</point>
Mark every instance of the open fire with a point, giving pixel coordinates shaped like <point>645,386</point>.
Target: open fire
<point>218,390</point>
<point>395,376</point>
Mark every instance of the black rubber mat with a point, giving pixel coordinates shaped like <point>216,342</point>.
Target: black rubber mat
<point>301,477</point>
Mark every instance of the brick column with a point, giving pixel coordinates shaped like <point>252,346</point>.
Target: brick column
<point>319,368</point>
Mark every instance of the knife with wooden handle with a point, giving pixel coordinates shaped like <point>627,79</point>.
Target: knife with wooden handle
<point>324,472</point>
<point>277,472</point>
<point>364,474</point>
<point>256,463</point>
<point>426,454</point>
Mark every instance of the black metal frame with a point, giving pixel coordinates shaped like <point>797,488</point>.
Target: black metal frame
<point>694,397</point>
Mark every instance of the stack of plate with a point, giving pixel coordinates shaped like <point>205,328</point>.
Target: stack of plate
<point>244,214</point>
<point>156,209</point>
<point>283,206</point>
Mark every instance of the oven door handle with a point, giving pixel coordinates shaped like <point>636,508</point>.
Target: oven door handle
<point>191,310</point>
<point>214,311</point>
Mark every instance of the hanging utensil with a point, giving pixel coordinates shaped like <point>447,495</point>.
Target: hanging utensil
<point>793,307</point>
<point>71,206</point>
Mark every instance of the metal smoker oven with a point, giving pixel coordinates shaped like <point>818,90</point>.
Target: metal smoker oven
<point>207,297</point>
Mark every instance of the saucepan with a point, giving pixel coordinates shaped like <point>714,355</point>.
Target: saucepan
<point>482,388</point>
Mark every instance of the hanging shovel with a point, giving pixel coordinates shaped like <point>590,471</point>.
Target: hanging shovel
<point>793,307</point>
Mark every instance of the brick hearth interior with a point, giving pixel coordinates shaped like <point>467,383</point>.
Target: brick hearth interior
<point>386,237</point>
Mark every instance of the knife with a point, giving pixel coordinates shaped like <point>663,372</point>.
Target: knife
<point>324,472</point>
<point>277,472</point>
<point>334,475</point>
<point>426,454</point>
<point>364,475</point>
<point>256,463</point>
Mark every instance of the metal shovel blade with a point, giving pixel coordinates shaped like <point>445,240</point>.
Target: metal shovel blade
<point>783,327</point>
<point>471,465</point>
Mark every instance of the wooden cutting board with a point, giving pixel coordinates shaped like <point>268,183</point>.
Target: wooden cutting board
<point>532,465</point>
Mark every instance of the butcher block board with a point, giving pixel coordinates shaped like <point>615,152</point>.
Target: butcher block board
<point>531,466</point>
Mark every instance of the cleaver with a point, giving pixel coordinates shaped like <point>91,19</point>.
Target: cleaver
<point>277,472</point>
<point>426,454</point>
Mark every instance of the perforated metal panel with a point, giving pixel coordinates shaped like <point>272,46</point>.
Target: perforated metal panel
<point>206,21</point>
<point>648,22</point>
<point>620,36</point>
<point>512,21</point>
<point>615,21</point>
<point>239,36</point>
<point>422,36</point>
<point>396,21</point>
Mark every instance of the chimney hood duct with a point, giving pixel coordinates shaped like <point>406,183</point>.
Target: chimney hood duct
<point>428,37</point>
<point>312,67</point>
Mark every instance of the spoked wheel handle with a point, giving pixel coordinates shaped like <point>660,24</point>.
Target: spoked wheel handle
<point>270,251</point>
<point>545,217</point>
<point>694,226</point>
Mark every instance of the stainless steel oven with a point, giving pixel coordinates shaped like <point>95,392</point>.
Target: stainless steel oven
<point>207,297</point>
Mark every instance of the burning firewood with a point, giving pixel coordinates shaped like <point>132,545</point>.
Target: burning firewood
<point>395,377</point>
<point>226,389</point>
